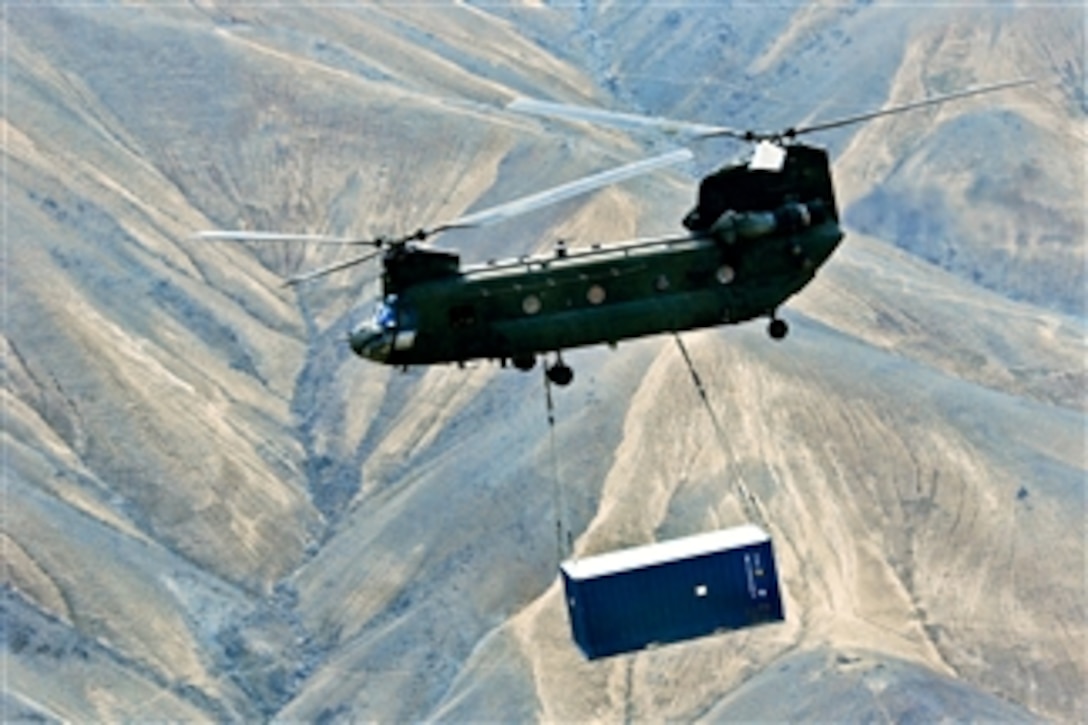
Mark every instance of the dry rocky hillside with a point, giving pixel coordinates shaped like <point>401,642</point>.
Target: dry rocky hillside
<point>213,510</point>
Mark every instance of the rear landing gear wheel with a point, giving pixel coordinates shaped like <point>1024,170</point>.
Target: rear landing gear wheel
<point>777,329</point>
<point>524,363</point>
<point>560,374</point>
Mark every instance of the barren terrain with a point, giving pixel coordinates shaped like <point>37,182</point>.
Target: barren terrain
<point>212,510</point>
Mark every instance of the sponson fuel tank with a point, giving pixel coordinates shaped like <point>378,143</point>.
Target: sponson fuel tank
<point>672,591</point>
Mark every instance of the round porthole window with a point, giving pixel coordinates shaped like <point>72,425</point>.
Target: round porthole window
<point>531,305</point>
<point>726,274</point>
<point>595,294</point>
<point>661,283</point>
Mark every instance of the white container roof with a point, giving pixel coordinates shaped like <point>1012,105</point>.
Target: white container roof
<point>640,557</point>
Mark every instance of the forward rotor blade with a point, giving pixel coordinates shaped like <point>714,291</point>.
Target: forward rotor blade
<point>906,107</point>
<point>323,271</point>
<point>563,192</point>
<point>484,217</point>
<point>622,120</point>
<point>244,236</point>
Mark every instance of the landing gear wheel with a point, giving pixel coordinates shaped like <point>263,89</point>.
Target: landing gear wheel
<point>560,374</point>
<point>777,329</point>
<point>524,363</point>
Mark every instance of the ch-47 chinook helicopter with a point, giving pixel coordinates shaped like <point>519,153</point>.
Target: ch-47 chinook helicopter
<point>760,230</point>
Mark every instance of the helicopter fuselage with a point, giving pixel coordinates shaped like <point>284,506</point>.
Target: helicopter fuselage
<point>756,237</point>
<point>517,309</point>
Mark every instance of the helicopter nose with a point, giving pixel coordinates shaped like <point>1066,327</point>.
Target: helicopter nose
<point>370,343</point>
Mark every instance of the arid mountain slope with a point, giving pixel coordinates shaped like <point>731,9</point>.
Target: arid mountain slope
<point>213,510</point>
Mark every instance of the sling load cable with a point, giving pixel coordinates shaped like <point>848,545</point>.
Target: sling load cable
<point>751,505</point>
<point>558,500</point>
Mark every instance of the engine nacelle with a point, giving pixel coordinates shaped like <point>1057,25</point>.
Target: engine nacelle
<point>731,225</point>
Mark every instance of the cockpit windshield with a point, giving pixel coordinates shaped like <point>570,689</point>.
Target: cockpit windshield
<point>385,314</point>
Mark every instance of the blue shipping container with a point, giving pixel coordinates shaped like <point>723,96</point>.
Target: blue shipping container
<point>671,591</point>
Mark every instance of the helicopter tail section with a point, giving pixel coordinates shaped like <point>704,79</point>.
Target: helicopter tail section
<point>804,178</point>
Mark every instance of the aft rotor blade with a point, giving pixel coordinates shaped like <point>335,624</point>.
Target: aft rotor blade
<point>525,204</point>
<point>323,271</point>
<point>244,236</point>
<point>906,107</point>
<point>622,120</point>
